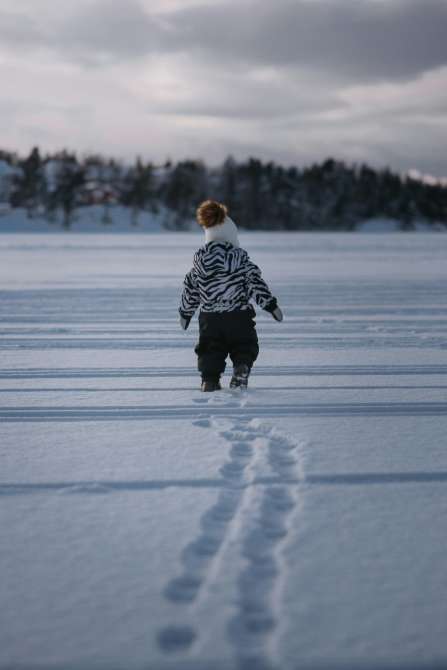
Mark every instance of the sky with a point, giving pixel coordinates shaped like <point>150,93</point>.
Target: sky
<point>293,81</point>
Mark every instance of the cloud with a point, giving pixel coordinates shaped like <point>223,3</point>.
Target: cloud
<point>93,34</point>
<point>18,31</point>
<point>291,81</point>
<point>109,31</point>
<point>188,88</point>
<point>353,40</point>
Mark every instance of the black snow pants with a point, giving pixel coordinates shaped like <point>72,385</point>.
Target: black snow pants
<point>222,334</point>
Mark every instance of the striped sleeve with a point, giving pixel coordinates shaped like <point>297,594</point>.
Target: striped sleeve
<point>190,298</point>
<point>256,286</point>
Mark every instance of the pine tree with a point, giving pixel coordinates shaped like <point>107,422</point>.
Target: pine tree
<point>30,185</point>
<point>68,181</point>
<point>138,189</point>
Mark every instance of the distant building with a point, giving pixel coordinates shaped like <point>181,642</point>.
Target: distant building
<point>97,193</point>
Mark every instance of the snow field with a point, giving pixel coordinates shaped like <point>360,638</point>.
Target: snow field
<point>299,524</point>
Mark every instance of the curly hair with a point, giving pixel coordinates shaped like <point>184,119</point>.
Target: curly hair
<point>211,213</point>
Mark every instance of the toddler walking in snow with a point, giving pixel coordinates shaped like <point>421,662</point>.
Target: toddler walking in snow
<point>222,281</point>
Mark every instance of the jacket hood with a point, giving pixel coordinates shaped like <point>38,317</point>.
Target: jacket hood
<point>224,232</point>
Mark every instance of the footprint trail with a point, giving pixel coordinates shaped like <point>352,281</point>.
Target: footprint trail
<point>257,518</point>
<point>199,555</point>
<point>251,630</point>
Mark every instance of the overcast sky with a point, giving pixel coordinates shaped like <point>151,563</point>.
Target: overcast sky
<point>288,80</point>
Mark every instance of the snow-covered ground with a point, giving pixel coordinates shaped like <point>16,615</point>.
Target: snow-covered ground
<point>302,524</point>
<point>92,219</point>
<point>118,219</point>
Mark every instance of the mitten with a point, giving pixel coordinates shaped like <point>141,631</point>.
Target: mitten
<point>274,310</point>
<point>184,320</point>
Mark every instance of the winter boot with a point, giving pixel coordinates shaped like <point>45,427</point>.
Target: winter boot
<point>239,380</point>
<point>211,385</point>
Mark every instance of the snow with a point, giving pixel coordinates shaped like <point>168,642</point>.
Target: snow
<point>112,219</point>
<point>6,170</point>
<point>385,225</point>
<point>147,525</point>
<point>380,225</point>
<point>417,175</point>
<point>88,219</point>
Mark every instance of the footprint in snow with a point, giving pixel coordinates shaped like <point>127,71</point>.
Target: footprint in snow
<point>255,618</point>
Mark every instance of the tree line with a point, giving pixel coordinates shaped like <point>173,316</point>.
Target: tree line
<point>330,195</point>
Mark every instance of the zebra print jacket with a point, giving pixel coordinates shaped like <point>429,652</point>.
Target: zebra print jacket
<point>223,279</point>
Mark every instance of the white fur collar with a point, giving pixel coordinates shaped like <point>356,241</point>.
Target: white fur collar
<point>224,232</point>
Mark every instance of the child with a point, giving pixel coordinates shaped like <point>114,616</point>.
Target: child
<point>222,281</point>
